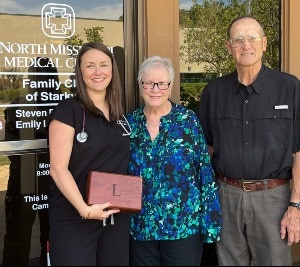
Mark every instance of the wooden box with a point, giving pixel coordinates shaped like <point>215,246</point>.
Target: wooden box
<point>123,191</point>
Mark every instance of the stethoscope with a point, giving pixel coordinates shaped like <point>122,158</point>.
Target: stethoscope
<point>82,135</point>
<point>123,123</point>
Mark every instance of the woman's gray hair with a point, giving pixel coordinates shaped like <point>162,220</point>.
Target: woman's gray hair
<point>155,62</point>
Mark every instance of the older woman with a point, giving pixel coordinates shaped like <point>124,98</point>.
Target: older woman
<point>181,207</point>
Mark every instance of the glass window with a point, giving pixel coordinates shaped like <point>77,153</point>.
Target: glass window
<point>39,41</point>
<point>203,55</point>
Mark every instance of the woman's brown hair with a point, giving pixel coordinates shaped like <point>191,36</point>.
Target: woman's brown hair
<point>114,90</point>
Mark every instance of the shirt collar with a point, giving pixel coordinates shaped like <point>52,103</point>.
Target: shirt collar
<point>256,84</point>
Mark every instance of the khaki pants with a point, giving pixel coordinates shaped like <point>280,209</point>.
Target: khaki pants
<point>251,227</point>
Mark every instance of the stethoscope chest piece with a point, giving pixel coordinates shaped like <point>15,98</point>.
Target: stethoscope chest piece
<point>82,136</point>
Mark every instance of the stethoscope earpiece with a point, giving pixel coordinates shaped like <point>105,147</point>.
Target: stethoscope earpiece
<point>82,136</point>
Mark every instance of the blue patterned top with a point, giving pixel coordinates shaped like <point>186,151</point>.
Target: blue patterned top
<point>180,193</point>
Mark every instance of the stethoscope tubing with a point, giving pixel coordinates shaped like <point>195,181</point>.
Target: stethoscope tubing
<point>83,135</point>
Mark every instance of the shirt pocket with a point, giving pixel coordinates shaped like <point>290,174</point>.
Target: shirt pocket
<point>275,127</point>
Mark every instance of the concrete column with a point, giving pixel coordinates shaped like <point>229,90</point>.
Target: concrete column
<point>162,35</point>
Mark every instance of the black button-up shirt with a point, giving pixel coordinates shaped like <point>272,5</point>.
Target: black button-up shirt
<point>253,134</point>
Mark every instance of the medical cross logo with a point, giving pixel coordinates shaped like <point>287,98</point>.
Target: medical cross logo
<point>58,20</point>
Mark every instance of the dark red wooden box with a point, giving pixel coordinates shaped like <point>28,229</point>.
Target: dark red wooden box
<point>123,191</point>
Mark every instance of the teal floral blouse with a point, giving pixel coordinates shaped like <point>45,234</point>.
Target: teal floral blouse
<point>180,193</point>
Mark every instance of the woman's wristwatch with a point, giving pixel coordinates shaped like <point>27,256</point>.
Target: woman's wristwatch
<point>295,204</point>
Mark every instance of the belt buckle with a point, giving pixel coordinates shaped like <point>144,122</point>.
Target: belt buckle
<point>244,188</point>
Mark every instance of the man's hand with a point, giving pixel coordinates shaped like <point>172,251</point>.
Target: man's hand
<point>290,226</point>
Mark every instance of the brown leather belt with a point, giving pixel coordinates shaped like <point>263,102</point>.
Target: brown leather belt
<point>254,185</point>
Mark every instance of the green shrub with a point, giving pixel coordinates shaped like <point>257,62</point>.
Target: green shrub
<point>8,95</point>
<point>190,94</point>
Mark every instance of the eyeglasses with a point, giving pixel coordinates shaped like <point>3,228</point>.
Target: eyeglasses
<point>240,40</point>
<point>160,85</point>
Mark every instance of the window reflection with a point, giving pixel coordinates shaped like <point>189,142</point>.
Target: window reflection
<point>37,37</point>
